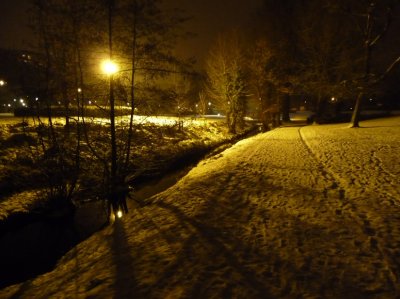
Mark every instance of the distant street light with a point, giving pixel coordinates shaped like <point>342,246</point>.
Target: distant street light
<point>2,82</point>
<point>209,109</point>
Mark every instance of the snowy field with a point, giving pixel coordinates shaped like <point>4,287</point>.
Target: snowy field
<point>10,119</point>
<point>311,212</point>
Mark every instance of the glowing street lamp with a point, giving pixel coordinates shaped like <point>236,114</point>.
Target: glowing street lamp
<point>2,82</point>
<point>109,67</point>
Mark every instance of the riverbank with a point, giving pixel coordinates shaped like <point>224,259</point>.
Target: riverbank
<point>163,152</point>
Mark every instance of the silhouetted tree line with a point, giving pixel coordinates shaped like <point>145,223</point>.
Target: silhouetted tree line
<point>318,49</point>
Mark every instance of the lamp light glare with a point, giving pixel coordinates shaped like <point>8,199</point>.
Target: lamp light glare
<point>109,67</point>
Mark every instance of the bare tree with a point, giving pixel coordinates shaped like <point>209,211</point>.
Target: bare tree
<point>202,103</point>
<point>141,36</point>
<point>75,35</point>
<point>378,17</point>
<point>58,155</point>
<point>180,93</point>
<point>263,82</point>
<point>226,79</point>
<point>323,65</point>
<point>279,25</point>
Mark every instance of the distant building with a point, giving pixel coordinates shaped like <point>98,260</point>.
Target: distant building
<point>18,78</point>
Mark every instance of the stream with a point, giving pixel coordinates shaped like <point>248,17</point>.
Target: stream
<point>31,244</point>
<point>35,244</point>
<point>35,248</point>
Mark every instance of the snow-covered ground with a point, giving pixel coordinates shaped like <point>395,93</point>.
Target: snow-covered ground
<point>10,119</point>
<point>311,212</point>
<point>22,202</point>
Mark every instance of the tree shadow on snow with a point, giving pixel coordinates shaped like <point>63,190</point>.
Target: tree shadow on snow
<point>261,274</point>
<point>212,237</point>
<point>125,284</point>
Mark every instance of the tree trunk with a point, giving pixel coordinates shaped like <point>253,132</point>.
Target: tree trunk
<point>318,109</point>
<point>286,107</point>
<point>132,88</point>
<point>355,118</point>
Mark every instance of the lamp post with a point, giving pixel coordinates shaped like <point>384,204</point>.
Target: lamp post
<point>116,197</point>
<point>110,68</point>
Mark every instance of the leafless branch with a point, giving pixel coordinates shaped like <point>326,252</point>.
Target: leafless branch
<point>390,69</point>
<point>385,29</point>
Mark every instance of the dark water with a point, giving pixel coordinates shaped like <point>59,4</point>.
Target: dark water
<point>35,246</point>
<point>33,249</point>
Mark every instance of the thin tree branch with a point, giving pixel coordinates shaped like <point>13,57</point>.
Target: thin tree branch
<point>385,29</point>
<point>389,69</point>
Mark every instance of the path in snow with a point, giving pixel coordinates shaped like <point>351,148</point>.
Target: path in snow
<point>279,215</point>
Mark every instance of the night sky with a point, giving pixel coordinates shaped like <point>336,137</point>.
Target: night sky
<point>210,17</point>
<point>14,31</point>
